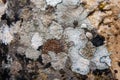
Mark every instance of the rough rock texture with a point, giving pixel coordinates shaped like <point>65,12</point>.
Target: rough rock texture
<point>105,18</point>
<point>59,40</point>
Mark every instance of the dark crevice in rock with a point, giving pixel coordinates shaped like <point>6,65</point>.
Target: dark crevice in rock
<point>9,21</point>
<point>3,53</point>
<point>98,40</point>
<point>5,74</point>
<point>47,65</point>
<point>39,48</point>
<point>100,72</point>
<point>40,60</point>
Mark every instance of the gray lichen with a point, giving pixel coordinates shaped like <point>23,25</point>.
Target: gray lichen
<point>67,22</point>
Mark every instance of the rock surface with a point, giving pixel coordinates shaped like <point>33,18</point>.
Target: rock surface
<point>54,39</point>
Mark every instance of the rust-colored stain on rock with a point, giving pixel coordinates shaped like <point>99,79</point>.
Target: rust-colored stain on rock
<point>53,45</point>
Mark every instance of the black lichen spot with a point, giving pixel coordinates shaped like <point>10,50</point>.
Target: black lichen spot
<point>5,17</point>
<point>33,75</point>
<point>84,77</point>
<point>39,48</point>
<point>50,9</point>
<point>40,60</point>
<point>9,21</point>
<point>75,23</point>
<point>62,71</point>
<point>98,40</point>
<point>47,65</point>
<point>23,75</point>
<point>5,74</point>
<point>16,16</point>
<point>23,58</point>
<point>3,52</point>
<point>100,72</point>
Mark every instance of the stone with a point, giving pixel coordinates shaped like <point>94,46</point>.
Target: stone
<point>53,2</point>
<point>58,60</point>
<point>36,41</point>
<point>32,54</point>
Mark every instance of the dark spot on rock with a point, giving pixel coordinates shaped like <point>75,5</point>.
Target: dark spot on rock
<point>9,20</point>
<point>39,48</point>
<point>119,64</point>
<point>5,74</point>
<point>98,40</point>
<point>84,77</point>
<point>116,35</point>
<point>100,72</point>
<point>62,71</point>
<point>16,16</point>
<point>23,58</point>
<point>115,71</point>
<point>50,9</point>
<point>20,57</point>
<point>47,65</point>
<point>3,53</point>
<point>40,60</point>
<point>23,75</point>
<point>83,3</point>
<point>5,17</point>
<point>75,23</point>
<point>33,75</point>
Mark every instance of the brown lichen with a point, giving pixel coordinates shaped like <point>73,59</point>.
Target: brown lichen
<point>88,51</point>
<point>53,45</point>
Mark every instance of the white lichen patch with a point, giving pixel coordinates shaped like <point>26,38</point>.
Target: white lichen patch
<point>76,36</point>
<point>39,4</point>
<point>66,15</point>
<point>55,30</point>
<point>78,62</point>
<point>53,2</point>
<point>36,41</point>
<point>58,60</point>
<point>71,2</point>
<point>5,36</point>
<point>32,54</point>
<point>101,58</point>
<point>79,40</point>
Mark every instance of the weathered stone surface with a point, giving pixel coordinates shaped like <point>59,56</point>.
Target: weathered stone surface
<point>41,35</point>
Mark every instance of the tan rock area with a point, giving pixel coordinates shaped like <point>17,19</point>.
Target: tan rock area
<point>107,22</point>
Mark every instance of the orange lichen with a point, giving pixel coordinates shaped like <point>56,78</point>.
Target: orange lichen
<point>53,45</point>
